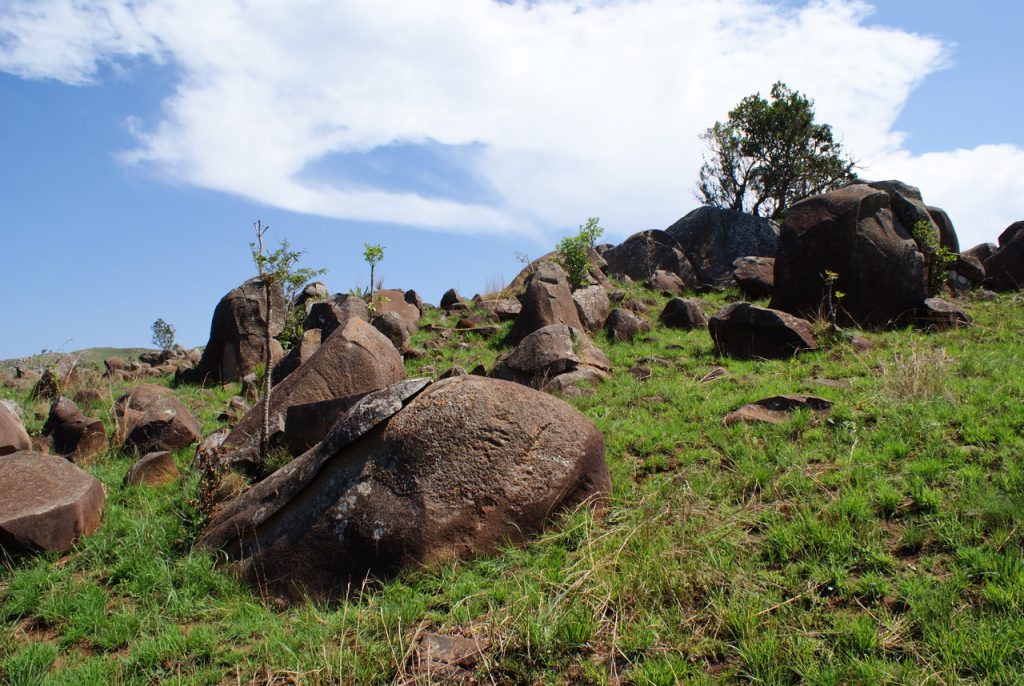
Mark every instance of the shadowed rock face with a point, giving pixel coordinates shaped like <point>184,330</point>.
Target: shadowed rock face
<point>48,502</point>
<point>644,253</point>
<point>1004,269</point>
<point>354,359</point>
<point>712,238</point>
<point>13,436</point>
<point>465,464</point>
<point>236,344</point>
<point>854,233</point>
<point>744,330</point>
<point>73,434</point>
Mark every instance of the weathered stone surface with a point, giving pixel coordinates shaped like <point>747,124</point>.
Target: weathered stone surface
<point>307,345</point>
<point>576,382</point>
<point>547,301</point>
<point>466,464</point>
<point>393,301</point>
<point>982,251</point>
<point>333,313</point>
<point>755,276</point>
<point>852,232</point>
<point>683,313</point>
<point>547,353</point>
<point>623,325</point>
<point>644,253</point>
<point>505,309</point>
<point>947,234</point>
<point>311,293</point>
<point>354,359</point>
<point>154,469</point>
<point>965,272</point>
<point>592,306</point>
<point>777,410</point>
<point>152,419</point>
<point>712,238</point>
<point>13,436</point>
<point>115,364</point>
<point>665,282</point>
<point>937,314</point>
<point>1004,269</point>
<point>743,330</point>
<point>72,434</point>
<point>450,297</point>
<point>48,502</point>
<point>394,329</point>
<point>237,332</point>
<point>444,659</point>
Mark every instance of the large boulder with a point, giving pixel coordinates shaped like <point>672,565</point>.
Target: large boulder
<point>854,233</point>
<point>644,253</point>
<point>547,301</point>
<point>1004,269</point>
<point>393,301</point>
<point>548,353</point>
<point>755,276</point>
<point>394,329</point>
<point>462,466</point>
<point>354,359</point>
<point>592,306</point>
<point>73,435</point>
<point>333,313</point>
<point>712,238</point>
<point>48,502</point>
<point>743,330</point>
<point>151,419</point>
<point>237,333</point>
<point>13,436</point>
<point>947,233</point>
<point>304,349</point>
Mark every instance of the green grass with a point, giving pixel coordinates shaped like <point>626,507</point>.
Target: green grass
<point>881,545</point>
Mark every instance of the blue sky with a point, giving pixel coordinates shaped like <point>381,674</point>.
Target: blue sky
<point>140,141</point>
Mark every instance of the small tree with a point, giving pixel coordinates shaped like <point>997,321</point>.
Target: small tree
<point>769,155</point>
<point>278,268</point>
<point>163,334</point>
<point>372,254</point>
<point>574,251</point>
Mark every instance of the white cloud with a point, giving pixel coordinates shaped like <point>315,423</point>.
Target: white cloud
<point>583,108</point>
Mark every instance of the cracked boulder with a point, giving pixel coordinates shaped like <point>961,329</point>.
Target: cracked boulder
<point>450,472</point>
<point>150,418</point>
<point>549,353</point>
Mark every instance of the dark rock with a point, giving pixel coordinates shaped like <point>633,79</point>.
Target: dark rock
<point>467,464</point>
<point>755,276</point>
<point>354,359</point>
<point>939,315</point>
<point>623,325</point>
<point>393,301</point>
<point>115,364</point>
<point>394,329</point>
<point>644,253</point>
<point>151,419</point>
<point>965,272</point>
<point>1004,269</point>
<point>981,252</point>
<point>947,234</point>
<point>683,313</point>
<point>853,233</point>
<point>592,306</point>
<point>304,349</point>
<point>48,503</point>
<point>306,425</point>
<point>547,301</point>
<point>713,238</point>
<point>452,372</point>
<point>237,334</point>
<point>154,469</point>
<point>72,434</point>
<point>547,353</point>
<point>87,396</point>
<point>450,297</point>
<point>414,299</point>
<point>777,410</point>
<point>13,436</point>
<point>26,373</point>
<point>334,313</point>
<point>743,330</point>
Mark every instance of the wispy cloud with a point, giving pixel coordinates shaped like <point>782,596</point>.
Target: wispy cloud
<point>578,108</point>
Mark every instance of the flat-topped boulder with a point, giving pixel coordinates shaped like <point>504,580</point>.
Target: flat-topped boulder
<point>449,472</point>
<point>48,502</point>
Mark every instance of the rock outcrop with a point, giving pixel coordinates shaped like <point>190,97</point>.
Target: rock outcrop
<point>48,502</point>
<point>644,253</point>
<point>713,238</point>
<point>448,473</point>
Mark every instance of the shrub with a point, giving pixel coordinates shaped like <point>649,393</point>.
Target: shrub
<point>573,251</point>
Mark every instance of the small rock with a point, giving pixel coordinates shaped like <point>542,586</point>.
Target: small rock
<point>777,409</point>
<point>683,313</point>
<point>154,469</point>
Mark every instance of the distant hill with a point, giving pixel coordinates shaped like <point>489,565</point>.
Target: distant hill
<point>89,357</point>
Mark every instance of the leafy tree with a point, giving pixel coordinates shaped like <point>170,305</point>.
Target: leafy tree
<point>163,334</point>
<point>573,251</point>
<point>372,254</point>
<point>769,155</point>
<point>277,268</point>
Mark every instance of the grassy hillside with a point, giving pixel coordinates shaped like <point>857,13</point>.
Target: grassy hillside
<point>880,545</point>
<point>92,357</point>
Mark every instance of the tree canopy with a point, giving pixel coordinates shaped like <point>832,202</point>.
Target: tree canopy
<point>769,154</point>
